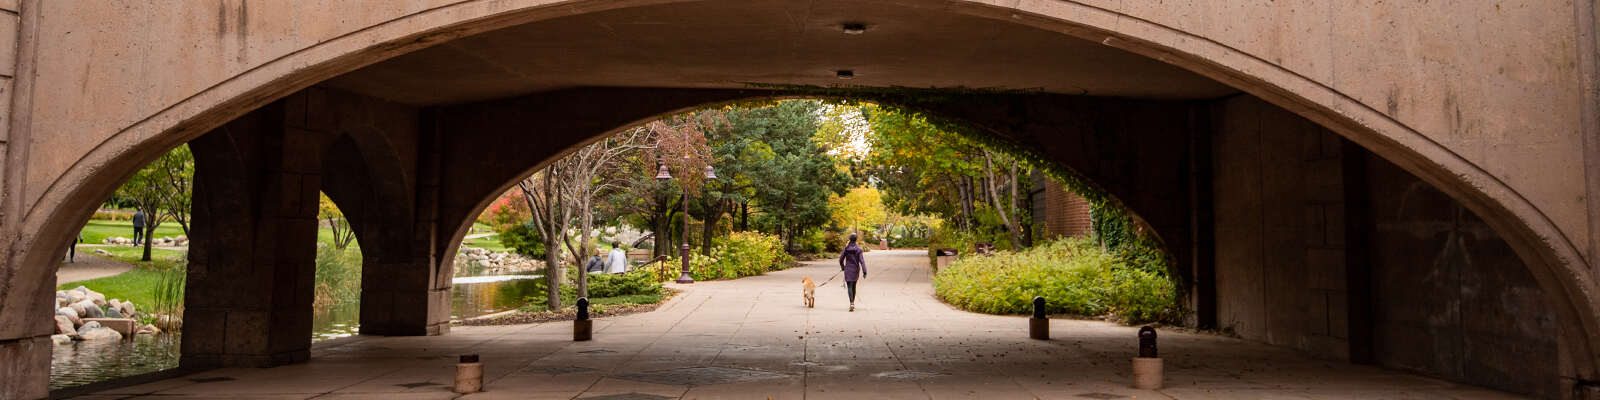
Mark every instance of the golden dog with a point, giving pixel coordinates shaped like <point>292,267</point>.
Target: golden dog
<point>810,290</point>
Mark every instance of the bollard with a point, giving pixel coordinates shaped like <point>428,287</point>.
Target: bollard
<point>1147,372</point>
<point>469,374</point>
<point>583,327</point>
<point>1039,326</point>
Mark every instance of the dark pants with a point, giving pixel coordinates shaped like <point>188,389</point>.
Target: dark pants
<point>138,233</point>
<point>851,288</point>
<point>72,251</point>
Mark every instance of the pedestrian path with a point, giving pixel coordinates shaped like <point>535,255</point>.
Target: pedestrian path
<point>753,339</point>
<point>88,266</point>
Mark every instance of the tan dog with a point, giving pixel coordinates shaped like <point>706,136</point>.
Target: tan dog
<point>810,290</point>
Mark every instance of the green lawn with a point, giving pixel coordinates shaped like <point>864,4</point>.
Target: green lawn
<point>159,257</point>
<point>98,230</point>
<point>136,285</point>
<point>490,243</point>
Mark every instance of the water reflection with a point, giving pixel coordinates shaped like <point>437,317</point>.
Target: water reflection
<point>84,362</point>
<point>492,294</point>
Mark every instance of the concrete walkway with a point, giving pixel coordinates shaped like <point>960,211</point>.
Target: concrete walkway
<point>89,266</point>
<point>752,339</point>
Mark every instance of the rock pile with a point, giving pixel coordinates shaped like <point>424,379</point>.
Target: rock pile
<point>179,241</point>
<point>76,305</point>
<point>497,263</point>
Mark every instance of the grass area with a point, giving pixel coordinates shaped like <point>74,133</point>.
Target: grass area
<point>137,285</point>
<point>158,257</point>
<point>98,230</point>
<point>630,299</point>
<point>490,243</point>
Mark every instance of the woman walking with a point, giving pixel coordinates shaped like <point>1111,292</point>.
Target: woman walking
<point>850,261</point>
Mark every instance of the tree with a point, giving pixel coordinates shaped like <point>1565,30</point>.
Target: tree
<point>861,207</point>
<point>542,192</point>
<point>792,188</point>
<point>162,190</point>
<point>330,214</point>
<point>925,169</point>
<point>585,179</point>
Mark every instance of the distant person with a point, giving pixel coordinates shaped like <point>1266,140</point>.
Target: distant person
<point>618,259</point>
<point>138,226</point>
<point>72,248</point>
<point>851,262</point>
<point>596,264</point>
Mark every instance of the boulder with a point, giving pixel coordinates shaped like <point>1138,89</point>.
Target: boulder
<point>102,252</point>
<point>62,299</point>
<point>127,309</point>
<point>60,339</point>
<point>98,299</point>
<point>72,315</point>
<point>75,295</point>
<point>149,330</point>
<point>91,310</point>
<point>81,307</point>
<point>112,312</point>
<point>64,326</point>
<point>93,331</point>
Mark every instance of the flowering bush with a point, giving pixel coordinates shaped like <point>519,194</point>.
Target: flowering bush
<point>1075,276</point>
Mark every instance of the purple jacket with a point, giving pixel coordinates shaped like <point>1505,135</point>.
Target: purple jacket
<point>851,262</point>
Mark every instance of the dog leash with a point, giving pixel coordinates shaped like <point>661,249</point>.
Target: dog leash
<point>831,279</point>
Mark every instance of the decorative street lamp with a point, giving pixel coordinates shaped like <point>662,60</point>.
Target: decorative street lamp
<point>683,251</point>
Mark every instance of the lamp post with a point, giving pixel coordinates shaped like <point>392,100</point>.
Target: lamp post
<point>683,251</point>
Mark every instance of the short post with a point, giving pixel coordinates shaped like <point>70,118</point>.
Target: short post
<point>469,374</point>
<point>1039,325</point>
<point>583,327</point>
<point>1147,372</point>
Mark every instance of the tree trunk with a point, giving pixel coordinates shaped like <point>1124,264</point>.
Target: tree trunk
<point>713,214</point>
<point>1024,226</point>
<point>994,200</point>
<point>744,216</point>
<point>149,229</point>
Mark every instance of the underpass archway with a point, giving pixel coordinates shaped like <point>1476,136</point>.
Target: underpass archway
<point>1549,253</point>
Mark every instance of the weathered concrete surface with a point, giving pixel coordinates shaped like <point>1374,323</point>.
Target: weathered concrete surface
<point>1327,249</point>
<point>901,342</point>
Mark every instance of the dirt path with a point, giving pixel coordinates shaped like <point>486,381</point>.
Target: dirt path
<point>88,267</point>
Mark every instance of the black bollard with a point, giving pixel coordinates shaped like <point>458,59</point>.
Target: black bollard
<point>1039,326</point>
<point>1147,342</point>
<point>583,327</point>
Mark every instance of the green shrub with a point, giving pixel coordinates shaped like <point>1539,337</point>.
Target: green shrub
<point>741,254</point>
<point>523,239</point>
<point>1074,275</point>
<point>637,282</point>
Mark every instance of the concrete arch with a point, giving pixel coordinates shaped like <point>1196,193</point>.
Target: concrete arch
<point>1549,252</point>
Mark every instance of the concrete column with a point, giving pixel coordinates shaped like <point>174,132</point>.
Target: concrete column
<point>405,283</point>
<point>252,261</point>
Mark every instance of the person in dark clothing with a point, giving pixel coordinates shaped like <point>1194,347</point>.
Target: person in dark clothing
<point>851,262</point>
<point>596,264</point>
<point>72,248</point>
<point>138,226</point>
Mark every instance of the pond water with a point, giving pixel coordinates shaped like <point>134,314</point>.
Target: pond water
<point>80,363</point>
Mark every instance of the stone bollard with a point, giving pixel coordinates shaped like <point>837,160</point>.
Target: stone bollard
<point>1039,325</point>
<point>469,374</point>
<point>1147,372</point>
<point>583,327</point>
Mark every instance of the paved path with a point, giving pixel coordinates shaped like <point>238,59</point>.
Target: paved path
<point>752,339</point>
<point>89,266</point>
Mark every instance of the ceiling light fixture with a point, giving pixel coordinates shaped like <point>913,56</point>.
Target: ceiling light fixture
<point>855,28</point>
<point>846,74</point>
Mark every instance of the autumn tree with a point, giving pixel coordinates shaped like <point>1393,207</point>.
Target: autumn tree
<point>330,214</point>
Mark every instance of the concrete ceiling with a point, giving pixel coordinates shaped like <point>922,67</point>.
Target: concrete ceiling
<point>718,44</point>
